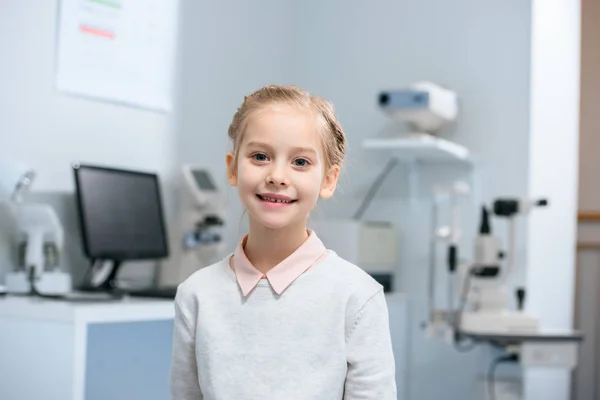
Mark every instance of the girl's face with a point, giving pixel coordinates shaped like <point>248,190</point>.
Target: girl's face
<point>281,169</point>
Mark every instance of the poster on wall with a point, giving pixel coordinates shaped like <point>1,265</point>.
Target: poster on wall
<point>121,51</point>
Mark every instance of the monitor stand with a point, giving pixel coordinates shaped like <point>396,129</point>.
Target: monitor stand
<point>102,278</point>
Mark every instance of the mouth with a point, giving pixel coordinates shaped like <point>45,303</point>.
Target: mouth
<point>275,199</point>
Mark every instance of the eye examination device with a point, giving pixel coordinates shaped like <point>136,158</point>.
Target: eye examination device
<point>481,282</point>
<point>197,236</point>
<point>479,310</point>
<point>485,285</point>
<point>37,236</point>
<point>426,107</point>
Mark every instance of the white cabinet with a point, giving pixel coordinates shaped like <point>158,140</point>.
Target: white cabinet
<point>53,350</point>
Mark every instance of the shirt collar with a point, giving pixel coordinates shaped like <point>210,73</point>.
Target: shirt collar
<point>284,273</point>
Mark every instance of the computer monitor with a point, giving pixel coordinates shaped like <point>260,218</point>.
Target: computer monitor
<point>120,216</point>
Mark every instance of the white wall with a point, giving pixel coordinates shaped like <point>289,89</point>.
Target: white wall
<point>553,172</point>
<point>49,130</point>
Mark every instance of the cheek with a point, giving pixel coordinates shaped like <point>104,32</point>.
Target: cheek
<point>248,175</point>
<point>310,183</point>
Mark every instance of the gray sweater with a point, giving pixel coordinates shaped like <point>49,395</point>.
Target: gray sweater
<point>326,337</point>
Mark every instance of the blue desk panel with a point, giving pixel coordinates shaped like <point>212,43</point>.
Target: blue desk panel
<point>127,361</point>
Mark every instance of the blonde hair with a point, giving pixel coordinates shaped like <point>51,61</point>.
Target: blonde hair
<point>333,137</point>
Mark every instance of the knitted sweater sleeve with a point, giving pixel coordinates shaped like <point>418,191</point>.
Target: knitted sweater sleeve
<point>184,372</point>
<point>371,366</point>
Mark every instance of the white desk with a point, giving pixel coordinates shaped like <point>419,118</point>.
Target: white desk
<point>55,350</point>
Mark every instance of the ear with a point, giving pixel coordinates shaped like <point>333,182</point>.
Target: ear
<point>231,172</point>
<point>330,182</point>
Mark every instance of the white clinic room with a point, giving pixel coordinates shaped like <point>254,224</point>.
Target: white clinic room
<point>469,191</point>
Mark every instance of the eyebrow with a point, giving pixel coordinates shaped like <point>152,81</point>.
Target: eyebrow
<point>295,149</point>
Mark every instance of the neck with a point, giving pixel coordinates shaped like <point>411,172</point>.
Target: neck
<point>265,247</point>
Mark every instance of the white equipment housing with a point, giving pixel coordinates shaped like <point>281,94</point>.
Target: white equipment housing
<point>492,313</point>
<point>38,230</point>
<point>200,190</point>
<point>424,106</point>
<point>489,295</point>
<point>370,245</point>
<point>52,283</point>
<point>196,235</point>
<point>498,321</point>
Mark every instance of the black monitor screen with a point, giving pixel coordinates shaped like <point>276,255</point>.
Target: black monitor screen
<point>120,214</point>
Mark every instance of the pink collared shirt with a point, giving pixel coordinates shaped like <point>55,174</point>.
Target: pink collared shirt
<point>283,274</point>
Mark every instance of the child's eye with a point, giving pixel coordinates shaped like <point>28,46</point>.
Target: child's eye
<point>260,157</point>
<point>301,162</point>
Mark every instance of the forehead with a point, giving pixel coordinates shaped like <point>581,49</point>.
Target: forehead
<point>283,124</point>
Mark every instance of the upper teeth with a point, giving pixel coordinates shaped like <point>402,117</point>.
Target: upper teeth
<point>276,200</point>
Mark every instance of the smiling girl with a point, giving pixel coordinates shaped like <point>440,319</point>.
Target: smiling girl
<point>282,317</point>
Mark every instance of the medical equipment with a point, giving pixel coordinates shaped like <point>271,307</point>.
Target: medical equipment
<point>39,238</point>
<point>426,107</point>
<point>197,236</point>
<point>120,217</point>
<point>486,277</point>
<point>202,213</point>
<point>484,300</point>
<point>371,245</point>
<point>483,313</point>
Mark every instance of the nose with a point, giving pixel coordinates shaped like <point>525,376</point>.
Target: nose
<point>277,176</point>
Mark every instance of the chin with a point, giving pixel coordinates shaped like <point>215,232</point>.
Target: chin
<point>274,222</point>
